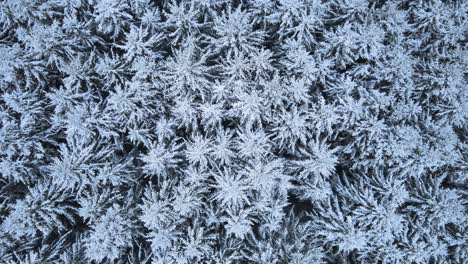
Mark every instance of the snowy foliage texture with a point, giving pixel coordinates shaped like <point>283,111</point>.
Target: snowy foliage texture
<point>233,131</point>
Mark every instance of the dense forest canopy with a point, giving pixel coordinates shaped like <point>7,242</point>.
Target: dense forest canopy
<point>233,131</point>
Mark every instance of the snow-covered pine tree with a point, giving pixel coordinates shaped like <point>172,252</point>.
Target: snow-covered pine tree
<point>233,131</point>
